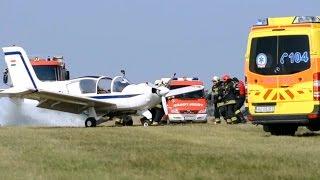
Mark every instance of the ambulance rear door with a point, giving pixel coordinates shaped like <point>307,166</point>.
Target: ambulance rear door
<point>282,80</point>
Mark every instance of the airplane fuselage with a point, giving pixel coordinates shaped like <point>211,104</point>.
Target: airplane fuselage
<point>133,97</point>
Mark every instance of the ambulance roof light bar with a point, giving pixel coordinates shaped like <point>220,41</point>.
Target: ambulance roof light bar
<point>306,19</point>
<point>262,22</point>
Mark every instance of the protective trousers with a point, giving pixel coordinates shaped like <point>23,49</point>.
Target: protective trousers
<point>230,114</point>
<point>239,103</point>
<point>216,111</point>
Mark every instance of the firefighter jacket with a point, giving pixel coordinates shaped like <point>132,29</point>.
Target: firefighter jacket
<point>240,89</point>
<point>216,90</point>
<point>229,94</point>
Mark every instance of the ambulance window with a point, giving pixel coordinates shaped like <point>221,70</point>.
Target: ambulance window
<point>294,54</point>
<point>279,55</point>
<point>88,86</point>
<point>263,55</point>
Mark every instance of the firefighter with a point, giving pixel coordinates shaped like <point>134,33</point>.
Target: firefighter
<point>240,98</point>
<point>216,97</point>
<point>229,100</point>
<point>157,113</point>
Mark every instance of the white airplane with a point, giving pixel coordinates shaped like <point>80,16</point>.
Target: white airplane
<point>98,97</point>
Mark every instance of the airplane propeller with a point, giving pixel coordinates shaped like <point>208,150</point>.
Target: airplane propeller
<point>161,91</point>
<point>164,92</point>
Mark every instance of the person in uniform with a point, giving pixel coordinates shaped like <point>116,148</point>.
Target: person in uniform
<point>240,92</point>
<point>216,98</point>
<point>229,100</point>
<point>158,113</point>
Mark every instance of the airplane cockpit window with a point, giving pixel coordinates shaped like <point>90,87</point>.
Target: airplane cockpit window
<point>104,86</point>
<point>119,84</point>
<point>88,86</point>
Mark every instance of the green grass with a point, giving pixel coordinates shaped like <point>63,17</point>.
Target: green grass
<point>203,151</point>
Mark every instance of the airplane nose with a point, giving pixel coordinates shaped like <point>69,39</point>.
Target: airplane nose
<point>163,91</point>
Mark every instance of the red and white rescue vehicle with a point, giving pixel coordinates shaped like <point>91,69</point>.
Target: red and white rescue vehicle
<point>189,106</point>
<point>50,69</point>
<point>46,69</point>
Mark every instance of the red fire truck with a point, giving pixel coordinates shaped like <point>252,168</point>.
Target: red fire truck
<point>46,69</point>
<point>188,107</point>
<point>50,69</point>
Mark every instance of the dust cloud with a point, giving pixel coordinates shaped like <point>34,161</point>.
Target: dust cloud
<point>25,113</point>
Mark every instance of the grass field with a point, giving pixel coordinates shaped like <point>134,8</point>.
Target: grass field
<point>203,151</point>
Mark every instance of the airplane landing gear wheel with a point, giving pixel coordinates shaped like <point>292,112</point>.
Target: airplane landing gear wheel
<point>145,124</point>
<point>91,122</point>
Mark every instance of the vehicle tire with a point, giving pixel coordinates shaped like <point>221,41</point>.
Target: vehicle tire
<point>145,124</point>
<point>127,121</point>
<point>278,130</point>
<point>266,128</point>
<point>91,122</point>
<point>314,127</point>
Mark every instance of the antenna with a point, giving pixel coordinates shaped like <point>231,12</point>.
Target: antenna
<point>123,72</point>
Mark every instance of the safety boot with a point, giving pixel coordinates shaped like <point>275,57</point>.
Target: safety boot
<point>154,123</point>
<point>217,121</point>
<point>234,120</point>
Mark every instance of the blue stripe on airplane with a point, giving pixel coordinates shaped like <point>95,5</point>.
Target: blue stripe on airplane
<point>114,96</point>
<point>25,65</point>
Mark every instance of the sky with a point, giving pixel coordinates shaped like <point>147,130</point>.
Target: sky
<point>149,39</point>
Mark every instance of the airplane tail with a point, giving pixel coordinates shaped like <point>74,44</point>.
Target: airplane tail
<point>20,69</point>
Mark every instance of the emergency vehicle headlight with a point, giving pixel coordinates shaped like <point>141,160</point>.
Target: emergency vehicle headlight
<point>174,111</point>
<point>203,111</point>
<point>306,19</point>
<point>262,22</point>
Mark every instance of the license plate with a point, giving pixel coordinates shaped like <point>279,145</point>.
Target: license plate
<point>189,118</point>
<point>264,109</point>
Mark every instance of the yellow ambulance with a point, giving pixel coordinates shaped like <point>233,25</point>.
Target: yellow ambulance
<point>282,68</point>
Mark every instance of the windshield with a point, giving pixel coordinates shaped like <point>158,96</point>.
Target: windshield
<point>279,55</point>
<point>88,86</point>
<point>191,95</point>
<point>119,84</point>
<point>46,73</point>
<point>104,86</point>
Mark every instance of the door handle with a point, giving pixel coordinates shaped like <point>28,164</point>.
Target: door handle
<point>284,86</point>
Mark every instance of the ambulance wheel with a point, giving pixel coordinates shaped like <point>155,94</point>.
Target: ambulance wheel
<point>314,128</point>
<point>91,122</point>
<point>281,130</point>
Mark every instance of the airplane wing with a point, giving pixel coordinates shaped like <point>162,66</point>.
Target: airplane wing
<point>68,103</point>
<point>58,101</point>
<point>183,90</point>
<point>14,92</point>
